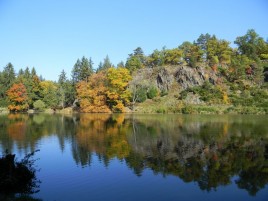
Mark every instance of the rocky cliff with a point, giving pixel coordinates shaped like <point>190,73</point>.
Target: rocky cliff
<point>181,76</point>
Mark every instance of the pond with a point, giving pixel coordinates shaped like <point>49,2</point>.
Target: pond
<point>142,157</point>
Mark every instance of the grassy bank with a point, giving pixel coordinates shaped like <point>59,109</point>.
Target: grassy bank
<point>167,105</point>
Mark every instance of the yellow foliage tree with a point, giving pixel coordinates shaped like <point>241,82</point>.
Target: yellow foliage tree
<point>118,94</point>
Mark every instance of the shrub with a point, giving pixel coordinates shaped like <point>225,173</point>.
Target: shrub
<point>164,93</point>
<point>152,92</point>
<point>39,105</point>
<point>141,95</point>
<point>17,177</point>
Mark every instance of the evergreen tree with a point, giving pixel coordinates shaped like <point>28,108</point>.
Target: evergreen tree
<point>62,88</point>
<point>105,65</point>
<point>33,72</point>
<point>82,69</point>
<point>7,78</point>
<point>76,71</point>
<point>120,64</point>
<point>136,60</point>
<point>202,42</point>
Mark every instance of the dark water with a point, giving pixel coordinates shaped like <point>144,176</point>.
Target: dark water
<point>143,157</point>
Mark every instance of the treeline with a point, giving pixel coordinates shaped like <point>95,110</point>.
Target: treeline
<point>112,89</point>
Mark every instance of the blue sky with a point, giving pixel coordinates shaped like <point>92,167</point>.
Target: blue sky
<point>52,34</point>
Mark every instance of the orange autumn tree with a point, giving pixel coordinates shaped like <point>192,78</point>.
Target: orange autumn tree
<point>92,94</point>
<point>18,98</point>
<point>118,94</point>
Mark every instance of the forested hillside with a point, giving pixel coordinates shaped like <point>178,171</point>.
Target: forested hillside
<point>207,75</point>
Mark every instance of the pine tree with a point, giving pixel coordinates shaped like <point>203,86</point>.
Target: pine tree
<point>7,78</point>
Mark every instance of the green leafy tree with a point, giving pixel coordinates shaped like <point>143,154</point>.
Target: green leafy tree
<point>157,58</point>
<point>133,63</point>
<point>49,91</point>
<point>192,54</point>
<point>172,56</point>
<point>136,60</point>
<point>218,51</point>
<point>152,92</point>
<point>252,45</point>
<point>39,105</point>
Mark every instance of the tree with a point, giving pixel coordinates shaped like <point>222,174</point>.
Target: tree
<point>76,71</point>
<point>238,67</point>
<point>33,72</point>
<point>82,69</point>
<point>92,95</point>
<point>138,52</point>
<point>192,54</point>
<point>62,88</point>
<point>202,42</point>
<point>120,64</point>
<point>7,78</point>
<point>86,68</point>
<point>136,60</point>
<point>105,65</point>
<point>18,98</point>
<point>39,105</point>
<point>218,51</point>
<point>156,58</point>
<point>49,92</point>
<point>152,92</point>
<point>20,73</point>
<point>172,56</point>
<point>35,89</point>
<point>256,49</point>
<point>138,87</point>
<point>251,45</point>
<point>118,95</point>
<point>133,63</point>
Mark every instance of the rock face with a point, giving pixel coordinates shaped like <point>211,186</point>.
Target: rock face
<point>181,76</point>
<point>164,80</point>
<point>184,76</point>
<point>189,77</point>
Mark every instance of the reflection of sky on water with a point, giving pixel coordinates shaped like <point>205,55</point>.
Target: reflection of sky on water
<point>62,179</point>
<point>125,158</point>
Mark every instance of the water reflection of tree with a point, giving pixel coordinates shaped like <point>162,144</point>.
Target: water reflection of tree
<point>206,150</point>
<point>25,130</point>
<point>102,134</point>
<point>209,151</point>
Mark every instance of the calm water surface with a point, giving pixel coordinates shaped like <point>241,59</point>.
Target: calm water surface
<point>143,157</point>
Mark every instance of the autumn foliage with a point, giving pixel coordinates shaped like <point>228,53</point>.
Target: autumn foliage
<point>105,91</point>
<point>118,95</point>
<point>92,94</point>
<point>18,98</point>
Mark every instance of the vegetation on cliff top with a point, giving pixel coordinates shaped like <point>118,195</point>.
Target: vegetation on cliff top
<point>203,76</point>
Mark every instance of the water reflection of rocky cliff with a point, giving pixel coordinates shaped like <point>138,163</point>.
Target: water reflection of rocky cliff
<point>207,150</point>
